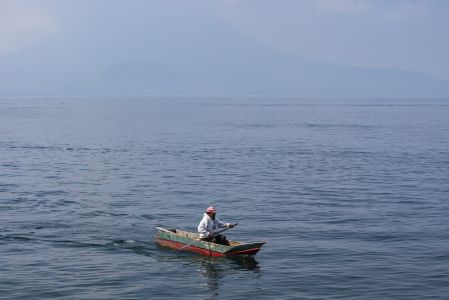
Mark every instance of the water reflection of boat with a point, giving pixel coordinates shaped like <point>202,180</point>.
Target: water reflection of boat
<point>188,241</point>
<point>215,269</point>
<point>212,271</point>
<point>246,262</point>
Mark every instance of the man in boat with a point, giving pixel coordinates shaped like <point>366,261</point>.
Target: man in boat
<point>209,225</point>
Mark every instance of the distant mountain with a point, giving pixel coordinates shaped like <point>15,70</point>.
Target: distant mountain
<point>189,60</point>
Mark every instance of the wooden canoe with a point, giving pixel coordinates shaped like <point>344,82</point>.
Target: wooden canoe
<point>188,241</point>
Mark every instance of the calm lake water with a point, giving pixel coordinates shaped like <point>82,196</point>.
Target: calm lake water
<point>351,195</point>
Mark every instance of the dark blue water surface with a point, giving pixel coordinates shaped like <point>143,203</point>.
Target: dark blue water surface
<point>351,195</point>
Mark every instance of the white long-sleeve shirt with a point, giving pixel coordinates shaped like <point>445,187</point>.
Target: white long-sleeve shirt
<point>208,226</point>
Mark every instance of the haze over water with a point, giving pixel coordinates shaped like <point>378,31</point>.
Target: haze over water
<point>350,195</point>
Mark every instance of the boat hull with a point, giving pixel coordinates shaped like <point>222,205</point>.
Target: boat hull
<point>185,241</point>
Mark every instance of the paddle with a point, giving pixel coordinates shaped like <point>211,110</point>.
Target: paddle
<point>219,231</point>
<point>212,235</point>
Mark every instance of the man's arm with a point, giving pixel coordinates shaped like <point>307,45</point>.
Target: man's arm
<point>202,229</point>
<point>222,224</point>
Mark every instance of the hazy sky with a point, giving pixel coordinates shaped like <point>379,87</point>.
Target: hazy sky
<point>400,34</point>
